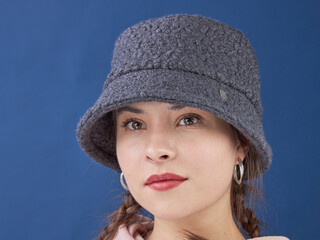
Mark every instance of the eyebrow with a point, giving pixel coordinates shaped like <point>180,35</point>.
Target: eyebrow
<point>139,111</point>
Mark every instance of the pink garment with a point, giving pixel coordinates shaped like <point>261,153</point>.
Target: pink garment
<point>130,233</point>
<point>270,238</point>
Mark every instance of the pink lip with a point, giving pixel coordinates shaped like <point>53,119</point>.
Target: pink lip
<point>164,181</point>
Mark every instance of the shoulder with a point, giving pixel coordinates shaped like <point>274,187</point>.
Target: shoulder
<point>270,238</point>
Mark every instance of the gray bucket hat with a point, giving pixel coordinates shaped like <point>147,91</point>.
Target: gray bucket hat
<point>182,59</point>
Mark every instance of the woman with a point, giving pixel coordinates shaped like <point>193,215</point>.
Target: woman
<point>180,118</point>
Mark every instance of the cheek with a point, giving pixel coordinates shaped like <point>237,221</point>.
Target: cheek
<point>122,155</point>
<point>129,156</point>
<point>210,148</point>
<point>212,158</point>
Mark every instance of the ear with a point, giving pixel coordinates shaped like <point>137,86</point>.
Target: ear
<point>241,152</point>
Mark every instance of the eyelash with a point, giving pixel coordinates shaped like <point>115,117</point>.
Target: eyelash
<point>125,123</point>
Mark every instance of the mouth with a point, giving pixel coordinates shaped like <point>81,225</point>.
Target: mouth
<point>165,181</point>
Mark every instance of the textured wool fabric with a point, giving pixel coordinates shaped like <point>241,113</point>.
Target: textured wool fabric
<point>179,59</point>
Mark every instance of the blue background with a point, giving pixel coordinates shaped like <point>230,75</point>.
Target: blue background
<point>54,58</point>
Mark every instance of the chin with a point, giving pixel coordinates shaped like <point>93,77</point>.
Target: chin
<point>170,214</point>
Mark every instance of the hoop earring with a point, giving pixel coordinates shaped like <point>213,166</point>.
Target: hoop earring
<point>122,182</point>
<point>235,172</point>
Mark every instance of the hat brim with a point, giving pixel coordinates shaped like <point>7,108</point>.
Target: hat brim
<point>95,131</point>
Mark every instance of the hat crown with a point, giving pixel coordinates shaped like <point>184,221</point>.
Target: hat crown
<point>190,43</point>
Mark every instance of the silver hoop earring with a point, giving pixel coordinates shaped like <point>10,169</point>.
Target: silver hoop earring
<point>235,172</point>
<point>122,182</point>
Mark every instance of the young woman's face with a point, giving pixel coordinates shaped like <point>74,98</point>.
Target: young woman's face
<point>157,138</point>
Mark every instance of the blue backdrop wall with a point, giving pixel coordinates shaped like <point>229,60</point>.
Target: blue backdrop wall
<point>54,58</point>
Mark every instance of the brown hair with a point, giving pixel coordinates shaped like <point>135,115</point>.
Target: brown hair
<point>242,212</point>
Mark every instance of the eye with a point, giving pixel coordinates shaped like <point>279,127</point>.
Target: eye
<point>189,120</point>
<point>132,124</point>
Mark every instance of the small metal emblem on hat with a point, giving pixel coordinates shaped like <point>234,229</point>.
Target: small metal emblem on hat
<point>223,95</point>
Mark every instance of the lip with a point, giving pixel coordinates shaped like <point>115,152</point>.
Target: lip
<point>164,181</point>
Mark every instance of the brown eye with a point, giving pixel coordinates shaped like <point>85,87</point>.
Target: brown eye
<point>189,120</point>
<point>133,125</point>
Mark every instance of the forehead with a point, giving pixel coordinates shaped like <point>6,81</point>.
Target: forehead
<point>141,108</point>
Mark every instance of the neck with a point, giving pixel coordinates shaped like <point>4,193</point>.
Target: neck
<point>215,222</point>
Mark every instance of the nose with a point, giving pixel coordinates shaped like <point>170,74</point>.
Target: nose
<point>160,147</point>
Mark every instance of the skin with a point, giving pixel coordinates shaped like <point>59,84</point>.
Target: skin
<point>201,147</point>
